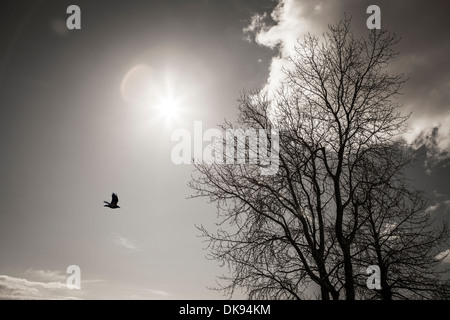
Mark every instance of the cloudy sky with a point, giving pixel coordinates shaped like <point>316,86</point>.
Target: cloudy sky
<point>88,112</point>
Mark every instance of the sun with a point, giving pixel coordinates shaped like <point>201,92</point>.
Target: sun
<point>169,108</point>
<point>161,95</point>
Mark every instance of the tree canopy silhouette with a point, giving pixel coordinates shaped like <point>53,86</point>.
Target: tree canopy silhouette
<point>340,200</point>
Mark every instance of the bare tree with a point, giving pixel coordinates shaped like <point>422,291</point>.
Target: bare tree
<point>400,237</point>
<point>300,232</point>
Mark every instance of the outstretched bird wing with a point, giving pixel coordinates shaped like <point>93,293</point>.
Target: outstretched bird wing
<point>114,200</point>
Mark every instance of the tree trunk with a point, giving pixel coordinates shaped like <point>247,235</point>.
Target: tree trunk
<point>386,292</point>
<point>348,270</point>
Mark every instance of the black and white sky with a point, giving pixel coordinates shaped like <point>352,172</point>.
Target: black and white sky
<point>84,114</point>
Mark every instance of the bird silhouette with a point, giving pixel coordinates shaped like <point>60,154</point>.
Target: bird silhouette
<point>113,204</point>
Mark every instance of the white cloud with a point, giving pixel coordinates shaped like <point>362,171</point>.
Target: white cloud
<point>257,23</point>
<point>12,282</point>
<point>292,19</point>
<point>442,206</point>
<point>290,25</point>
<point>432,208</point>
<point>433,133</point>
<point>46,275</point>
<point>23,289</point>
<point>444,255</point>
<point>126,243</point>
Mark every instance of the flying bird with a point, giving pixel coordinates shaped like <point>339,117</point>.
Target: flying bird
<point>113,204</point>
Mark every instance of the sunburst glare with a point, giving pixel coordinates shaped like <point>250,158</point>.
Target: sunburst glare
<point>159,96</point>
